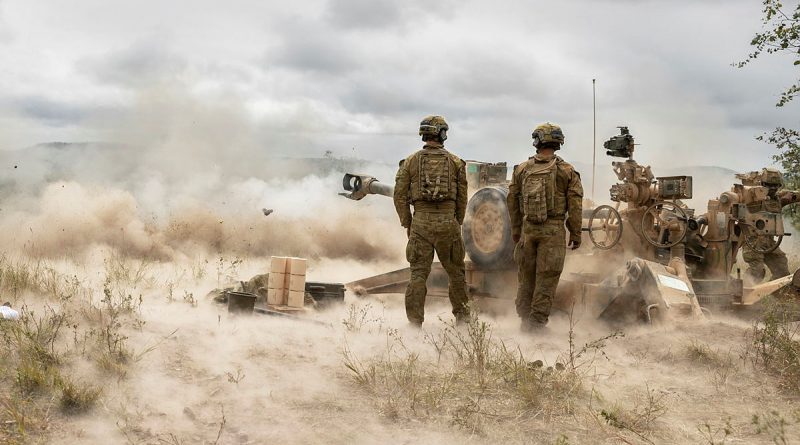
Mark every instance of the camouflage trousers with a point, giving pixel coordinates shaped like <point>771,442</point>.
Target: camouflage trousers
<point>540,256</point>
<point>776,261</point>
<point>439,232</point>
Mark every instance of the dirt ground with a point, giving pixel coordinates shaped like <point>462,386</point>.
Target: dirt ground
<point>207,377</point>
<point>119,343</point>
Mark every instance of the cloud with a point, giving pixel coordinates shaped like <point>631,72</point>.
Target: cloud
<point>305,50</point>
<point>387,15</point>
<point>143,63</point>
<point>5,33</point>
<point>355,77</point>
<point>49,111</point>
<point>376,14</point>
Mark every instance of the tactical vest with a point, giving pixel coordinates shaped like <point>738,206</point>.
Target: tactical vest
<point>538,199</point>
<point>435,180</point>
<point>772,205</point>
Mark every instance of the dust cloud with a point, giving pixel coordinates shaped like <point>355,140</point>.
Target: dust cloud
<point>188,176</point>
<point>70,219</point>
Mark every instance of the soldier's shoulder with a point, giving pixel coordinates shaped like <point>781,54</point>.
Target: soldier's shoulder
<point>414,155</point>
<point>408,160</point>
<point>455,158</point>
<point>566,166</point>
<point>525,164</point>
<point>562,163</point>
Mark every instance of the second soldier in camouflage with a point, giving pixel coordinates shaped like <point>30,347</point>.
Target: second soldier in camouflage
<point>434,182</point>
<point>763,253</point>
<point>544,191</point>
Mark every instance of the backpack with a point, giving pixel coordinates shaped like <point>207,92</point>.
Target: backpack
<point>436,177</point>
<point>538,191</point>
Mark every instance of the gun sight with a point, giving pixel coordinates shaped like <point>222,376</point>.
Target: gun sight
<point>621,145</point>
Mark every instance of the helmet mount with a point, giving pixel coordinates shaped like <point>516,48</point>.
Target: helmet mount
<point>433,127</point>
<point>548,135</point>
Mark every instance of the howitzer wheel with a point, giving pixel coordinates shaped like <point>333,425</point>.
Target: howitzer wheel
<point>757,242</point>
<point>664,224</point>
<point>487,229</point>
<point>610,226</point>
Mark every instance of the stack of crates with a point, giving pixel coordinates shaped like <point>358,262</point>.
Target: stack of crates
<point>287,282</point>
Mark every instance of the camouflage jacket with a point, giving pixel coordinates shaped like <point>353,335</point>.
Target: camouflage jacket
<point>407,175</point>
<point>568,195</point>
<point>775,203</point>
<point>788,197</point>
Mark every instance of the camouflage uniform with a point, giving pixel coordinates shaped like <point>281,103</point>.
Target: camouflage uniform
<point>435,226</point>
<point>542,247</point>
<point>776,260</point>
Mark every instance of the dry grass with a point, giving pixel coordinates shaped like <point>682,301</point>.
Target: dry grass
<point>721,366</point>
<point>774,344</point>
<point>24,421</point>
<point>640,419</point>
<point>18,277</point>
<point>471,380</point>
<point>713,434</point>
<point>774,424</point>
<point>76,397</point>
<point>700,353</point>
<point>63,322</point>
<point>360,317</point>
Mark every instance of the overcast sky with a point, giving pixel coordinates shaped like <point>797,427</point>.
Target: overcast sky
<point>356,76</point>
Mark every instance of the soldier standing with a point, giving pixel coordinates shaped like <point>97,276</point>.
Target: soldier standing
<point>544,191</point>
<point>434,182</point>
<point>775,260</point>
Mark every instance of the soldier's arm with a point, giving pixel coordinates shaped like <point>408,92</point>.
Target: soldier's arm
<point>514,212</point>
<point>788,197</point>
<point>574,206</point>
<point>402,184</point>
<point>461,195</point>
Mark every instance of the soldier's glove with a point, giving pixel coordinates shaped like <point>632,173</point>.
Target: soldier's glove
<point>515,237</point>
<point>574,244</point>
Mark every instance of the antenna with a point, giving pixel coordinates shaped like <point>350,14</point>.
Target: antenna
<point>594,134</point>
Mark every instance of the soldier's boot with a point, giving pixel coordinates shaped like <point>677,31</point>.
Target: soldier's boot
<point>755,273</point>
<point>542,301</point>
<point>462,313</point>
<point>529,326</point>
<point>462,318</point>
<point>777,263</point>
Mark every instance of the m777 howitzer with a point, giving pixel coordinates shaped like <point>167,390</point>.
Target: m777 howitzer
<point>656,226</point>
<point>653,259</point>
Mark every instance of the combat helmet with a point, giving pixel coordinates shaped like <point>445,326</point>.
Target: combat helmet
<point>434,126</point>
<point>549,134</point>
<point>771,177</point>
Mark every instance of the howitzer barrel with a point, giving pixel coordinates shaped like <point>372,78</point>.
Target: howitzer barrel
<point>379,188</point>
<point>360,186</point>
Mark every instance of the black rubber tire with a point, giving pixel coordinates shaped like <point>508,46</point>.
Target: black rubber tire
<point>502,256</point>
